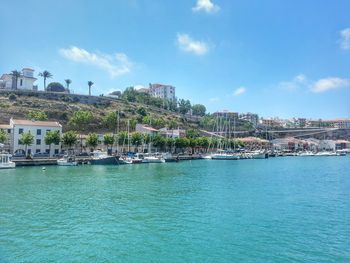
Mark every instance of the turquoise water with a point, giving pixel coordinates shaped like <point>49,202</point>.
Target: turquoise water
<point>276,210</point>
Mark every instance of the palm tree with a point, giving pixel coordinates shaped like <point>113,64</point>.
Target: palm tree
<point>90,83</point>
<point>68,81</point>
<point>15,75</point>
<point>46,75</point>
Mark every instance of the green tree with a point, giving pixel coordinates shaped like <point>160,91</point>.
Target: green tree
<point>68,82</point>
<point>136,139</point>
<point>198,109</point>
<point>52,137</point>
<point>129,94</point>
<point>159,142</point>
<point>122,137</point>
<point>90,83</point>
<point>26,139</point>
<point>3,136</point>
<point>92,140</point>
<point>181,143</point>
<point>37,115</point>
<point>108,140</point>
<point>111,120</point>
<point>142,111</point>
<point>192,133</point>
<point>69,139</point>
<point>184,106</point>
<point>46,75</point>
<point>170,143</point>
<point>55,87</point>
<point>15,75</point>
<point>81,119</point>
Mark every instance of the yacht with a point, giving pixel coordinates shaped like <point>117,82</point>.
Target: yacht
<point>153,159</point>
<point>67,161</point>
<point>99,157</point>
<point>306,153</point>
<point>325,153</point>
<point>225,155</point>
<point>5,161</point>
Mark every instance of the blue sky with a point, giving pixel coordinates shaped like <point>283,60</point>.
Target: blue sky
<point>272,57</point>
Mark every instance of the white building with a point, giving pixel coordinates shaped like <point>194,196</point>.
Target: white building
<point>36,128</point>
<point>24,82</point>
<point>144,129</point>
<point>162,91</point>
<point>251,117</point>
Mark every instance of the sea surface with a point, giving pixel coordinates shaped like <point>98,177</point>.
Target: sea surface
<point>291,209</point>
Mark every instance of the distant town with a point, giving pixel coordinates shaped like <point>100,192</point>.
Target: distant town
<point>242,130</point>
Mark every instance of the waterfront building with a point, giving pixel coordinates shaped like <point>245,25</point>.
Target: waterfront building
<point>250,117</point>
<point>166,92</point>
<point>271,122</point>
<point>38,129</point>
<point>24,82</point>
<point>175,133</point>
<point>145,129</point>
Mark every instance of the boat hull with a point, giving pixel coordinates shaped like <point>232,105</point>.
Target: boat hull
<point>112,160</point>
<point>7,165</point>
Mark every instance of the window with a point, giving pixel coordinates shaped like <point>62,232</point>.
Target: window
<point>47,131</point>
<point>21,82</point>
<point>37,151</point>
<point>56,151</point>
<point>19,141</point>
<point>38,132</point>
<point>8,130</point>
<point>47,150</point>
<point>38,141</point>
<point>20,131</point>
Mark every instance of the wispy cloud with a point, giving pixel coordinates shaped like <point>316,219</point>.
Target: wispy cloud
<point>206,6</point>
<point>345,39</point>
<point>239,91</point>
<point>294,84</point>
<point>115,65</point>
<point>326,84</point>
<point>187,44</point>
<point>214,100</point>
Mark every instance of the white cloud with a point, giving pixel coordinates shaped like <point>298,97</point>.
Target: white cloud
<point>115,65</point>
<point>214,99</point>
<point>297,82</point>
<point>345,39</point>
<point>326,84</point>
<point>187,44</point>
<point>239,91</point>
<point>206,6</point>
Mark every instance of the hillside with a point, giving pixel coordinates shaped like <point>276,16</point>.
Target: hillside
<point>60,107</point>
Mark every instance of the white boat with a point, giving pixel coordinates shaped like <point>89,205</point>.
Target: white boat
<point>153,159</point>
<point>307,153</point>
<point>325,153</point>
<point>223,155</point>
<point>5,161</point>
<point>67,161</point>
<point>258,155</point>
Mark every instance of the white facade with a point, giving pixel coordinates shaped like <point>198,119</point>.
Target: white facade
<point>24,82</point>
<point>162,91</point>
<point>36,128</point>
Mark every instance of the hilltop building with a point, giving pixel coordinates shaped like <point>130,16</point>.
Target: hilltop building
<point>166,92</point>
<point>36,128</point>
<point>24,82</point>
<point>250,117</point>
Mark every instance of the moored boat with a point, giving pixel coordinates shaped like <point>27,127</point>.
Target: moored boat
<point>5,161</point>
<point>99,158</point>
<point>67,161</point>
<point>153,159</point>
